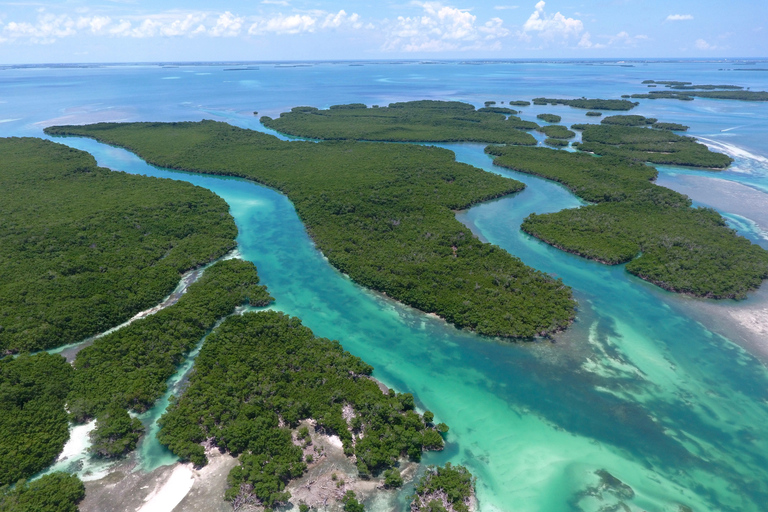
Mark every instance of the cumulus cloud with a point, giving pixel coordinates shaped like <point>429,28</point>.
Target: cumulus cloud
<point>679,17</point>
<point>48,28</point>
<point>550,27</point>
<point>442,28</point>
<point>308,22</point>
<point>621,40</point>
<point>701,44</point>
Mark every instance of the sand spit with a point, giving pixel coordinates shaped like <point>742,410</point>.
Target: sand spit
<point>178,488</point>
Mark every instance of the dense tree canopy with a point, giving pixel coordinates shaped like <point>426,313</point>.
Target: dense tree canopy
<point>129,367</point>
<point>591,104</point>
<point>382,213</point>
<point>83,248</point>
<point>653,228</point>
<point>413,121</point>
<point>33,422</point>
<point>260,370</point>
<point>57,492</point>
<point>116,433</point>
<point>444,489</point>
<point>649,145</point>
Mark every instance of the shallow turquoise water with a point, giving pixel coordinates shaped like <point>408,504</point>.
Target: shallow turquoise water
<point>635,387</point>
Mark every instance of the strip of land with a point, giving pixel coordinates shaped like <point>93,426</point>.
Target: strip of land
<point>413,121</point>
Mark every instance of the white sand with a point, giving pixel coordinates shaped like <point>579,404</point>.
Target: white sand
<point>78,442</point>
<point>165,498</point>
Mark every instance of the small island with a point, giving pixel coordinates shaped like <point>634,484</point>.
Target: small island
<point>412,121</point>
<point>549,118</point>
<point>590,104</point>
<point>686,91</point>
<point>652,229</point>
<point>447,488</point>
<point>648,145</point>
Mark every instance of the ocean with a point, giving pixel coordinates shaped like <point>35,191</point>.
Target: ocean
<point>665,393</point>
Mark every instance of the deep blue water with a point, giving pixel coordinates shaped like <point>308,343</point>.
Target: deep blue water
<point>637,387</point>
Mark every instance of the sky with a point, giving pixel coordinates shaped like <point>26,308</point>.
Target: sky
<point>69,31</point>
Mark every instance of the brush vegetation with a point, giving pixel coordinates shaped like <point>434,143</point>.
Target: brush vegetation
<point>652,229</point>
<point>446,488</point>
<point>413,121</point>
<point>57,492</point>
<point>83,248</point>
<point>33,422</point>
<point>591,104</point>
<point>381,213</point>
<point>257,376</point>
<point>649,145</point>
<point>129,368</point>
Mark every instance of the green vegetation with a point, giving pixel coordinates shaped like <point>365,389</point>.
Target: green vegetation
<point>670,95</point>
<point>591,104</point>
<point>413,121</point>
<point>560,143</point>
<point>556,131</point>
<point>654,229</point>
<point>260,368</point>
<point>676,127</point>
<point>592,113</point>
<point>498,110</point>
<point>83,248</point>
<point>33,422</point>
<point>392,478</point>
<point>646,145</point>
<point>721,92</point>
<point>549,118</point>
<point>643,121</point>
<point>57,492</point>
<point>581,126</point>
<point>630,120</point>
<point>116,433</point>
<point>381,213</point>
<point>444,489</point>
<point>129,367</point>
<point>351,504</point>
<point>519,103</point>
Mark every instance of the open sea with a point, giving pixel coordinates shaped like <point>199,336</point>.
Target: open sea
<point>651,401</point>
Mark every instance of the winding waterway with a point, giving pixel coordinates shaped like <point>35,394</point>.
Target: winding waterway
<point>636,388</point>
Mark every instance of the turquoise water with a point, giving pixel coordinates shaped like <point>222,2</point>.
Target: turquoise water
<point>636,387</point>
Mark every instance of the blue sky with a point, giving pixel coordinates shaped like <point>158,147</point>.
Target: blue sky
<point>194,30</point>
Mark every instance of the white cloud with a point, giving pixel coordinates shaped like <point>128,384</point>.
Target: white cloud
<point>49,28</point>
<point>46,30</point>
<point>228,25</point>
<point>701,44</point>
<point>284,3</point>
<point>621,40</point>
<point>679,17</point>
<point>505,7</point>
<point>309,22</point>
<point>442,28</point>
<point>550,27</point>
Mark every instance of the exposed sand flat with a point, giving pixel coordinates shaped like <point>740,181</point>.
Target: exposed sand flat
<point>721,194</point>
<point>177,488</point>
